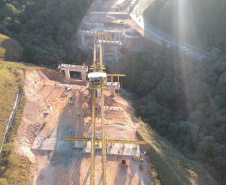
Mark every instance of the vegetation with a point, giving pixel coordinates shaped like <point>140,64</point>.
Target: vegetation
<point>11,79</point>
<point>197,22</point>
<point>172,167</point>
<point>10,82</point>
<point>14,168</point>
<point>184,100</point>
<point>44,28</point>
<point>10,49</point>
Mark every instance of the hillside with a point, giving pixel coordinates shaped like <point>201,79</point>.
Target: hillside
<point>183,100</point>
<point>10,49</point>
<point>14,167</point>
<point>44,28</point>
<point>172,167</point>
<point>180,100</point>
<point>198,23</point>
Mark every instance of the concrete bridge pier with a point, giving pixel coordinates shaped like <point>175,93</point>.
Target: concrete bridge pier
<point>77,68</point>
<point>67,75</point>
<point>83,40</point>
<point>113,92</point>
<point>83,76</point>
<point>116,51</point>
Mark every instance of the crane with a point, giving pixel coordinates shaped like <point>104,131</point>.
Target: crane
<point>97,83</point>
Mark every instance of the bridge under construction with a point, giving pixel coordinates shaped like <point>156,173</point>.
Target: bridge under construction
<point>97,83</point>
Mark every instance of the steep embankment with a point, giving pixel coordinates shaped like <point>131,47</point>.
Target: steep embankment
<point>14,168</point>
<point>10,79</point>
<point>172,167</point>
<point>183,100</point>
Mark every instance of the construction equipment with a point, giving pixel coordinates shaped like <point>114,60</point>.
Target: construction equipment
<point>136,158</point>
<point>97,83</point>
<point>153,174</point>
<point>157,182</point>
<point>123,162</point>
<point>111,141</point>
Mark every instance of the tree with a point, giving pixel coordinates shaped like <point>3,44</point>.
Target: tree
<point>29,51</point>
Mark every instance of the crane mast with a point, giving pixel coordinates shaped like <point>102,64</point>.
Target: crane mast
<point>97,81</point>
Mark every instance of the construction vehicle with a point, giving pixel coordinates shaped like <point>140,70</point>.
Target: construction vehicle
<point>153,174</point>
<point>136,158</point>
<point>157,182</point>
<point>123,163</point>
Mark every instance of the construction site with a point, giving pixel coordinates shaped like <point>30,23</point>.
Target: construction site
<point>80,130</point>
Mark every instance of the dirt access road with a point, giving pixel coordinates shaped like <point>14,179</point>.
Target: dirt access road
<point>63,165</point>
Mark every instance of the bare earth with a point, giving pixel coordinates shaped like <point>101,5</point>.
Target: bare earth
<point>64,165</point>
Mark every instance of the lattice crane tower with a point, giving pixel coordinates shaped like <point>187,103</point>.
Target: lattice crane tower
<point>97,82</point>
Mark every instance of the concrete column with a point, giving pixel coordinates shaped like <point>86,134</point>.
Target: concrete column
<point>95,38</point>
<point>83,76</point>
<point>83,40</point>
<point>116,51</point>
<point>67,75</point>
<point>103,50</point>
<point>113,92</point>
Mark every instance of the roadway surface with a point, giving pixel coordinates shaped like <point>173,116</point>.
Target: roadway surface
<point>149,29</point>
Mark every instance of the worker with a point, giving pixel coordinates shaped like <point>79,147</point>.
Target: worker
<point>70,130</point>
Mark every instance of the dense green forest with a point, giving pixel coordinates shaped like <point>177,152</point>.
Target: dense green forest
<point>184,100</point>
<point>198,22</point>
<point>44,28</point>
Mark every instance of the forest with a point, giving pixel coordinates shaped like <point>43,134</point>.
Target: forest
<point>200,23</point>
<point>44,28</point>
<point>183,99</point>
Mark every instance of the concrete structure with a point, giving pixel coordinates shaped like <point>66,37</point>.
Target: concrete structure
<point>115,44</point>
<point>113,86</point>
<point>94,34</point>
<point>103,39</point>
<point>116,149</point>
<point>77,68</point>
<point>109,13</point>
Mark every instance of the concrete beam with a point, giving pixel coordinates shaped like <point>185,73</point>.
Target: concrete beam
<point>76,68</point>
<point>110,43</point>
<point>108,13</point>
